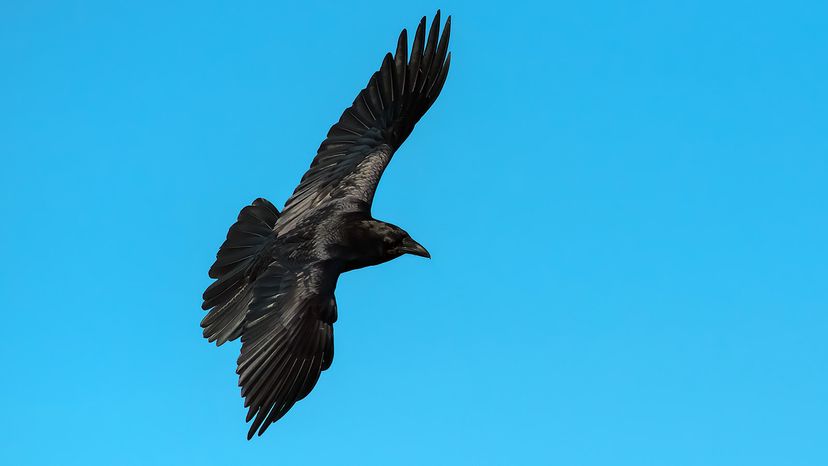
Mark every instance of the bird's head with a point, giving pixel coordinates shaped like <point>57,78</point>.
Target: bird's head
<point>372,242</point>
<point>395,242</point>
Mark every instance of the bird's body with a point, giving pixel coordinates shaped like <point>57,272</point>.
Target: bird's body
<point>276,272</point>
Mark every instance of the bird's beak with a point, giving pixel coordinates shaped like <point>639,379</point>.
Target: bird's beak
<point>409,246</point>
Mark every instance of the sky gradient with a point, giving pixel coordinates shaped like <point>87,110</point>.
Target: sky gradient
<point>625,203</point>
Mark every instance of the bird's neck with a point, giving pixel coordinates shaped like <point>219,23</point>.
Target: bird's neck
<point>362,245</point>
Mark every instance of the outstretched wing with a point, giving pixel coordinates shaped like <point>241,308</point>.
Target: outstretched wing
<point>287,341</point>
<point>350,161</point>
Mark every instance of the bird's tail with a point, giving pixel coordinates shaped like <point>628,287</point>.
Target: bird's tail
<point>228,298</point>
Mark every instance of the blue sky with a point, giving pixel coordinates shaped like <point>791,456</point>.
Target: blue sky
<point>625,202</point>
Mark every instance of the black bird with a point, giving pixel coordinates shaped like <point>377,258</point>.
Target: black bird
<point>276,273</point>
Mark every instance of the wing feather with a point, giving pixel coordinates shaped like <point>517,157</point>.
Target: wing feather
<point>360,145</point>
<point>287,341</point>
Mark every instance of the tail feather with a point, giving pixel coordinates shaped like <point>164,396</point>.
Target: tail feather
<point>228,298</point>
<point>246,237</point>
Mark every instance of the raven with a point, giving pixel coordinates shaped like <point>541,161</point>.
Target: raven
<point>276,273</point>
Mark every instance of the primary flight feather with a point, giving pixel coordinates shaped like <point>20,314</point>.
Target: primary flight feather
<point>276,273</point>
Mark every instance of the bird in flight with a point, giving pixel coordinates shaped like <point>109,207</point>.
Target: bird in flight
<point>276,273</point>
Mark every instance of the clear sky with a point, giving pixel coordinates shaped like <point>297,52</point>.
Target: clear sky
<point>625,202</point>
